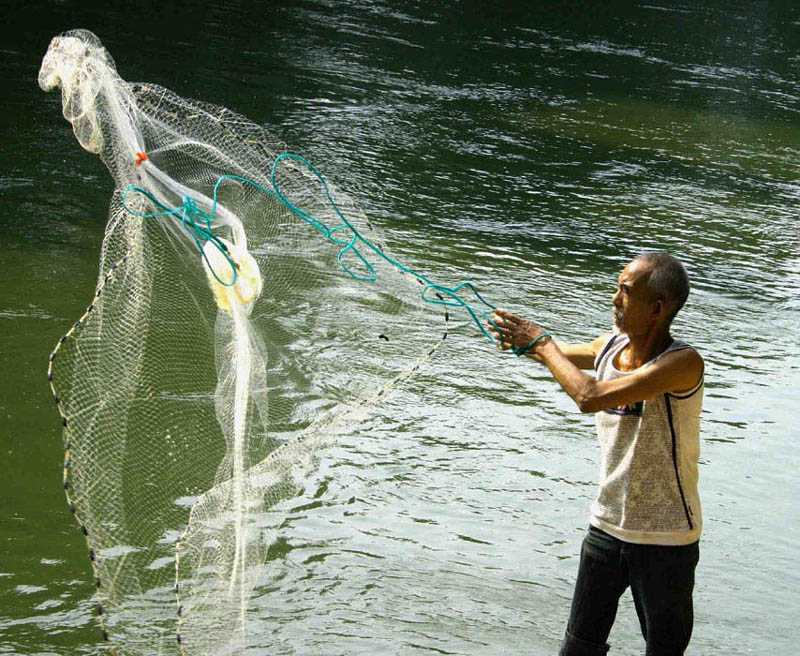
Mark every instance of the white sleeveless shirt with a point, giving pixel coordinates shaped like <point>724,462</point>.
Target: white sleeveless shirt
<point>648,468</point>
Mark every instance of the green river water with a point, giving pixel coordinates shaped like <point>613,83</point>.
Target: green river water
<point>531,147</point>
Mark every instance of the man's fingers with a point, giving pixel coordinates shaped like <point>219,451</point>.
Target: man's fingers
<point>502,344</point>
<point>505,318</point>
<point>505,314</point>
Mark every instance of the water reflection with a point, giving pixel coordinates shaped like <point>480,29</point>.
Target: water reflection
<point>533,152</point>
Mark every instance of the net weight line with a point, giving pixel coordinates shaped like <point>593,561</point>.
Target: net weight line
<point>66,427</point>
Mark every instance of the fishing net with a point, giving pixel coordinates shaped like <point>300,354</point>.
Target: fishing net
<point>246,312</point>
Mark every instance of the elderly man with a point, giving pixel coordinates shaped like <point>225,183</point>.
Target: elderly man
<point>645,520</point>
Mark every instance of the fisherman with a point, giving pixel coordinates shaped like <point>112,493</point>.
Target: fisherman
<point>645,521</point>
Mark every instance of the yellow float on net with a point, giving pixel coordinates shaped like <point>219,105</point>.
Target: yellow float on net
<point>247,285</point>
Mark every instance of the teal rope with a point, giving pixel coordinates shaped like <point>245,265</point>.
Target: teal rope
<point>522,350</point>
<point>190,214</point>
<point>439,290</point>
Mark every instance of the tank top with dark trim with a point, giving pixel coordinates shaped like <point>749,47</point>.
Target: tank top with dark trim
<point>649,454</point>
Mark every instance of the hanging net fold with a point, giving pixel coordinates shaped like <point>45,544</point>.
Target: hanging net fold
<point>238,324</point>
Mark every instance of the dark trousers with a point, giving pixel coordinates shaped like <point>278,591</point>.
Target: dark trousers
<point>661,580</point>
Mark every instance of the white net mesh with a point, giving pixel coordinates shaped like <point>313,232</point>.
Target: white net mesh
<point>192,407</point>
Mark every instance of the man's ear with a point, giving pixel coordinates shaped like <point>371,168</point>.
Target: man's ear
<point>659,306</point>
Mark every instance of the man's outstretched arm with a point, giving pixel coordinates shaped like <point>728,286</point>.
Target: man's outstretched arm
<point>676,372</point>
<point>581,355</point>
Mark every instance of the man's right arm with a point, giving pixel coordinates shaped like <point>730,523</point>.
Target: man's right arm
<point>581,355</point>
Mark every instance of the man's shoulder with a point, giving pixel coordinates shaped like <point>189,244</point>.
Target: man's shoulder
<point>604,343</point>
<point>599,344</point>
<point>683,366</point>
<point>682,351</point>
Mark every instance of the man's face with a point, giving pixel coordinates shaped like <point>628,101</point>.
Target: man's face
<point>633,310</point>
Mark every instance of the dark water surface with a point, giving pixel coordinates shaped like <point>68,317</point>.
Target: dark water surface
<point>533,150</point>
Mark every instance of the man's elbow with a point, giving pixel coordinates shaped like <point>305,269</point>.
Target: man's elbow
<point>587,399</point>
<point>589,406</point>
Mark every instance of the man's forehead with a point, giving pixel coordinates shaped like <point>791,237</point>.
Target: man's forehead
<point>635,271</point>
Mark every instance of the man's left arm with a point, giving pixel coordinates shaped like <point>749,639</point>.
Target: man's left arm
<point>676,372</point>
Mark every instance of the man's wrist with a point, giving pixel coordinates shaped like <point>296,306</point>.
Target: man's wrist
<point>540,346</point>
<point>529,350</point>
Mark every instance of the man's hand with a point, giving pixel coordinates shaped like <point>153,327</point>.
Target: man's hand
<point>512,331</point>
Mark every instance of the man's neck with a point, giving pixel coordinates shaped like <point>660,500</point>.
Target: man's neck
<point>642,349</point>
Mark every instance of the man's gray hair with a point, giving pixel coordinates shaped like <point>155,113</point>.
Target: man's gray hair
<point>668,280</point>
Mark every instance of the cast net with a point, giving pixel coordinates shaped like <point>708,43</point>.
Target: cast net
<point>245,314</point>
